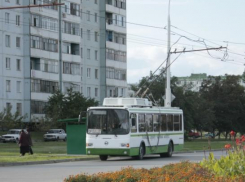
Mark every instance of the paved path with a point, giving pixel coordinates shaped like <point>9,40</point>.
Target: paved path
<point>59,171</point>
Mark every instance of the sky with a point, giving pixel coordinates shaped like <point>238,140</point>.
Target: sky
<point>199,23</point>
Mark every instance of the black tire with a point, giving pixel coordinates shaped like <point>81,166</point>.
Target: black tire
<point>170,150</point>
<point>64,139</point>
<point>141,152</point>
<point>17,140</point>
<point>169,153</point>
<point>57,139</point>
<point>4,141</point>
<point>103,157</point>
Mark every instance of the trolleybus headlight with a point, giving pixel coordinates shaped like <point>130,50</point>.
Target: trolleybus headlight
<point>125,144</point>
<point>89,144</point>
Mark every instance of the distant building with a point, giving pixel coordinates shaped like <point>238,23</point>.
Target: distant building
<point>94,52</point>
<point>195,80</point>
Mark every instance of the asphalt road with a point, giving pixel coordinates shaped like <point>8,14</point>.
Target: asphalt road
<point>59,171</point>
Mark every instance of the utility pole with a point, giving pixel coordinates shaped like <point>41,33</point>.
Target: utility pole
<point>167,101</point>
<point>60,48</point>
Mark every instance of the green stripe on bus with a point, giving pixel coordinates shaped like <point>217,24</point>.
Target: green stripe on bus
<point>131,151</point>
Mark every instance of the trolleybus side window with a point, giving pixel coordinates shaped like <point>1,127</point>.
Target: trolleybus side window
<point>141,118</point>
<point>133,118</point>
<point>170,122</point>
<point>163,122</point>
<point>180,122</point>
<point>156,123</point>
<point>176,123</point>
<point>149,122</point>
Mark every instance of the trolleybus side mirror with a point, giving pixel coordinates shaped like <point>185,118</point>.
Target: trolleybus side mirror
<point>82,117</point>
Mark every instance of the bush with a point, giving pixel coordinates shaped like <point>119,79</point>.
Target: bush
<point>184,171</point>
<point>231,165</point>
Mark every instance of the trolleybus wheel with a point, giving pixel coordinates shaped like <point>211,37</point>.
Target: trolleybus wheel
<point>169,153</point>
<point>141,152</point>
<point>103,157</point>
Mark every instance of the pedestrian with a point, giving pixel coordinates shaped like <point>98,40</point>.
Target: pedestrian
<point>23,143</point>
<point>29,141</point>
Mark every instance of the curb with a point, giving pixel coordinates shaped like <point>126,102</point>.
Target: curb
<point>198,151</point>
<point>45,162</point>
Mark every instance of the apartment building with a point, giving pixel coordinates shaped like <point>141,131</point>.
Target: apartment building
<point>93,52</point>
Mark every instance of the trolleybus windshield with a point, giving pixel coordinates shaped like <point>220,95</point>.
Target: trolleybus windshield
<point>108,122</point>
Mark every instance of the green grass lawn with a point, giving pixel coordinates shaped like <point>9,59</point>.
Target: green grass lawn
<point>9,152</point>
<point>201,144</point>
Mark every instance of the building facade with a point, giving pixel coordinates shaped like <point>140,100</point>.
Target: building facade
<point>93,52</point>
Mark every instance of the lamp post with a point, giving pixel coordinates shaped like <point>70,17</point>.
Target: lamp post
<point>168,94</point>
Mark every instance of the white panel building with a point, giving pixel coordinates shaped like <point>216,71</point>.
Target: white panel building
<point>93,52</point>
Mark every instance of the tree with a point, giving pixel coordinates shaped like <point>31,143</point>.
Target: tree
<point>225,97</point>
<point>62,106</point>
<point>9,120</point>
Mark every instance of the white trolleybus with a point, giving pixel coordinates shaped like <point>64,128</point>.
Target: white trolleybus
<point>133,127</point>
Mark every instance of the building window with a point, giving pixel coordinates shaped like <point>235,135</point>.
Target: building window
<point>19,108</point>
<point>71,28</point>
<point>81,73</point>
<point>96,36</point>
<point>7,40</point>
<point>88,34</point>
<point>8,86</point>
<point>96,92</point>
<point>81,32</point>
<point>8,106</point>
<point>88,92</point>
<point>7,63</point>
<point>88,53</point>
<point>95,17</point>
<point>81,52</point>
<point>95,1</point>
<point>37,107</point>
<point>35,21</point>
<point>17,41</point>
<point>88,72</point>
<point>88,15</point>
<point>17,1</point>
<point>71,68</point>
<point>18,20</point>
<point>96,74</point>
<point>6,17</point>
<point>43,86</point>
<point>75,9</point>
<point>18,84</point>
<point>18,65</point>
<point>96,55</point>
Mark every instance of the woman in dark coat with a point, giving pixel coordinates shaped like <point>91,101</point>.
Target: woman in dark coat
<point>24,143</point>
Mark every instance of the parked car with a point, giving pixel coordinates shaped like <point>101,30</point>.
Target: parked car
<point>55,135</point>
<point>209,135</point>
<point>13,135</point>
<point>194,134</point>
